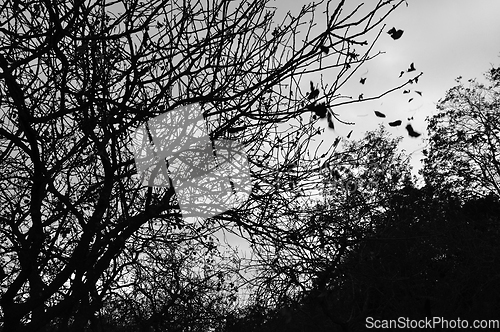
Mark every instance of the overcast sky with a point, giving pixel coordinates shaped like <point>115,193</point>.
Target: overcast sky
<point>443,38</point>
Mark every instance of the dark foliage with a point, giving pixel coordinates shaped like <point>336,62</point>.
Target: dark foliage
<point>430,256</point>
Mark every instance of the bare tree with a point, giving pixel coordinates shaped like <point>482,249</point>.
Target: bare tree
<point>78,79</point>
<point>304,256</point>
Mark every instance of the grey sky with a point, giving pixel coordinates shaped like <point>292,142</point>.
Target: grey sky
<point>444,38</point>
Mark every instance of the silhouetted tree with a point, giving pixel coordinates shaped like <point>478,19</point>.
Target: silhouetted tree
<point>430,255</point>
<point>428,258</point>
<point>464,140</point>
<point>77,79</point>
<point>355,188</point>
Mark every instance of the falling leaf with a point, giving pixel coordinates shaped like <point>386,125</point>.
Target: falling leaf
<point>336,142</point>
<point>319,109</point>
<point>379,114</point>
<point>410,100</point>
<point>406,91</point>
<point>349,135</point>
<point>362,80</point>
<point>401,74</point>
<point>324,49</point>
<point>412,132</point>
<point>395,123</point>
<point>330,121</point>
<point>313,95</point>
<point>314,92</point>
<point>330,124</point>
<point>418,92</point>
<point>395,34</point>
<point>412,68</point>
